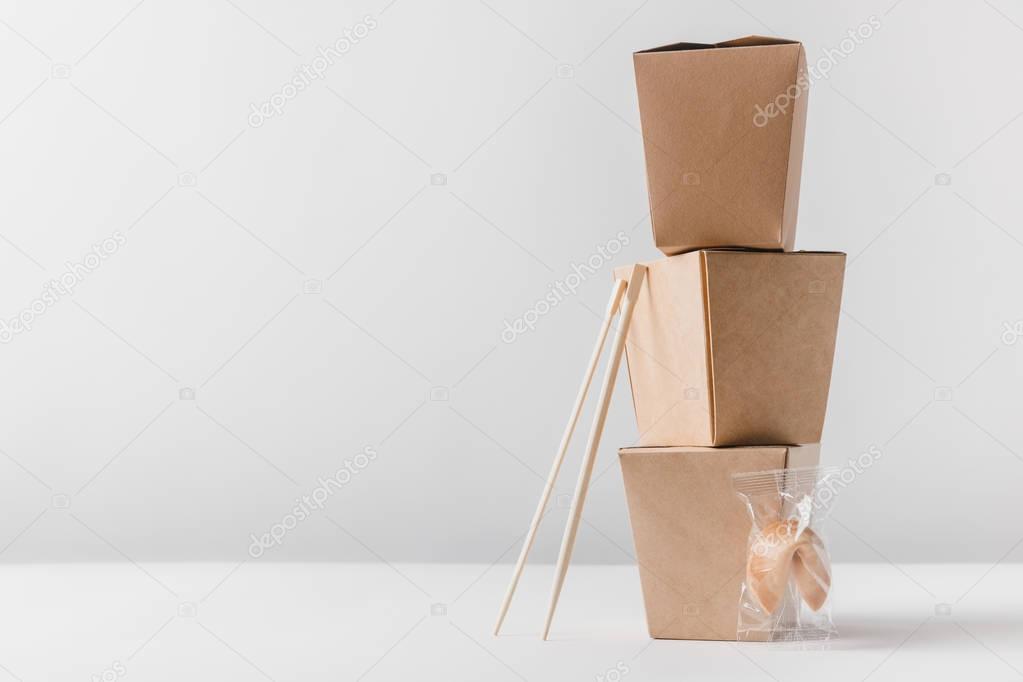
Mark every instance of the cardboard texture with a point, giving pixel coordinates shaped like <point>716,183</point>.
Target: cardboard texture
<point>691,532</point>
<point>734,347</point>
<point>723,129</point>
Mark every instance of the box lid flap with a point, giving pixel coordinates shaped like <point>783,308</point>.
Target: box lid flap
<point>747,41</point>
<point>756,41</point>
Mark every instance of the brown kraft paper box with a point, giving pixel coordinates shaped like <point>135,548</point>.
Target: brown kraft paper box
<point>691,531</point>
<point>723,127</point>
<point>734,347</point>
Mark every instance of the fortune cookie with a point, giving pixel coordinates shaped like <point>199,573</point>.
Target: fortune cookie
<point>782,549</point>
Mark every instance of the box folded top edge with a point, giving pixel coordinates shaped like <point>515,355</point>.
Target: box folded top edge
<point>670,449</point>
<point>801,252</point>
<point>745,41</point>
<point>732,250</point>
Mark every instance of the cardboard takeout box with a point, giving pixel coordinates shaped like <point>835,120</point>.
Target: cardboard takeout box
<point>691,532</point>
<point>723,128</point>
<point>734,347</point>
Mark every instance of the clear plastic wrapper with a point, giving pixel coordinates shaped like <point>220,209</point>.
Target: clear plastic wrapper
<point>786,590</point>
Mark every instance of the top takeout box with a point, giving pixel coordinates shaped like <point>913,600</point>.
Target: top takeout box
<point>723,128</point>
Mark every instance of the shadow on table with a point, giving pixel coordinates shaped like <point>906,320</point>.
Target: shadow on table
<point>886,632</point>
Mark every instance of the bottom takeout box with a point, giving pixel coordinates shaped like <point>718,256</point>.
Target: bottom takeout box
<point>691,531</point>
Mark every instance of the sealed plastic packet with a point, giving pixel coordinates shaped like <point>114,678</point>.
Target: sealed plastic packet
<point>785,593</point>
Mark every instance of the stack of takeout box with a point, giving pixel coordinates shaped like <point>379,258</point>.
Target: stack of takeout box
<point>732,337</point>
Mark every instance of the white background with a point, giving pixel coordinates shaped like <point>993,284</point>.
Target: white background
<point>134,117</point>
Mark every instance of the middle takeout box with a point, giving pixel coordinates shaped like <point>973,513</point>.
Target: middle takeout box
<point>732,347</point>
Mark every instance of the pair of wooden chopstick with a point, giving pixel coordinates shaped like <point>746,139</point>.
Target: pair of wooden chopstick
<point>630,291</point>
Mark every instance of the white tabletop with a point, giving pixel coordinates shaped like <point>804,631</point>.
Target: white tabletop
<point>258,621</point>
